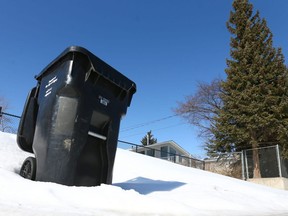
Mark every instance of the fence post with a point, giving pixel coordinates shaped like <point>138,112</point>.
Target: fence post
<point>279,160</point>
<point>246,165</point>
<point>243,164</point>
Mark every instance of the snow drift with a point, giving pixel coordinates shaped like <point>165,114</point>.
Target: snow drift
<point>142,185</point>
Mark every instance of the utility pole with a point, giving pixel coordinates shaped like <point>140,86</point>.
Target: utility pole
<point>147,136</point>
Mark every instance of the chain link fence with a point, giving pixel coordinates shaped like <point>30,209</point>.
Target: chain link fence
<point>241,165</point>
<point>8,122</point>
<point>238,165</point>
<point>271,163</point>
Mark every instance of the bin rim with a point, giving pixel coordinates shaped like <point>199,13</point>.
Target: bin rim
<point>59,57</point>
<point>91,57</point>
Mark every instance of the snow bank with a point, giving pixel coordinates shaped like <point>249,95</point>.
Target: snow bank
<point>142,185</point>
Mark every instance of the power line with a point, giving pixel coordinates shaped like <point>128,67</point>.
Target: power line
<point>157,129</point>
<point>146,123</point>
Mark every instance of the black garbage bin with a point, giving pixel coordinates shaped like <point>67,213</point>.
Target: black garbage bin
<point>71,120</point>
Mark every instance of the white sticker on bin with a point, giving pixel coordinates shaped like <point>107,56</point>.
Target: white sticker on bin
<point>51,81</point>
<point>48,87</point>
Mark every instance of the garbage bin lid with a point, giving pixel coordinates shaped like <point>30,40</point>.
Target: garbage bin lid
<point>99,66</point>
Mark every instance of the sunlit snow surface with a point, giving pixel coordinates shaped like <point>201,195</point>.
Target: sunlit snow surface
<point>142,185</point>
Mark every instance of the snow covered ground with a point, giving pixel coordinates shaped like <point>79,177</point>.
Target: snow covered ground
<point>142,185</point>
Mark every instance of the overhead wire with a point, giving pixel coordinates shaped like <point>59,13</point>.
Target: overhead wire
<point>136,126</point>
<point>157,129</point>
<point>146,123</point>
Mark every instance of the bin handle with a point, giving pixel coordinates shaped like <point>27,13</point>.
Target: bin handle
<point>97,135</point>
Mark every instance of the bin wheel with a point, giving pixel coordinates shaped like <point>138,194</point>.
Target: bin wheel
<point>28,169</point>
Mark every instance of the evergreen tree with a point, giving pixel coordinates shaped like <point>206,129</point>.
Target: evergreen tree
<point>148,139</point>
<point>255,100</point>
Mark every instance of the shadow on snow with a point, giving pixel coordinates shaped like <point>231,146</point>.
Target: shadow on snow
<point>145,186</point>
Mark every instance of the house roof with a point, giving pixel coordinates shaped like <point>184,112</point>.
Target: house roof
<point>172,143</point>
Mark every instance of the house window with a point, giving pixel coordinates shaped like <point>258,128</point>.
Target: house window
<point>172,154</point>
<point>150,152</point>
<point>172,151</point>
<point>164,152</point>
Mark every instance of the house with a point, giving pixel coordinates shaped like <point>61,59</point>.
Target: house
<point>168,150</point>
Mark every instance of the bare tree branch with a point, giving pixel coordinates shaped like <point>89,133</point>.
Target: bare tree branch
<point>5,121</point>
<point>201,108</point>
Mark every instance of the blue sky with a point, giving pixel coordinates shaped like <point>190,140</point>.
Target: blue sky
<point>165,47</point>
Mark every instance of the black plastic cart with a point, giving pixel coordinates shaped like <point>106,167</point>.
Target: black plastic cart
<point>71,120</point>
